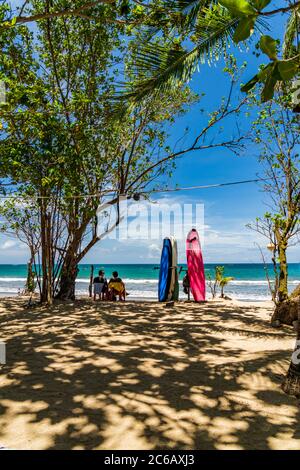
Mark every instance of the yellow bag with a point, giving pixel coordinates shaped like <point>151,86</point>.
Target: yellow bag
<point>117,286</point>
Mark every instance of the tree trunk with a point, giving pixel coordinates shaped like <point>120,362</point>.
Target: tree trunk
<point>68,278</point>
<point>91,281</point>
<point>283,274</point>
<point>46,255</point>
<point>73,257</point>
<point>291,384</point>
<point>296,292</point>
<point>29,288</point>
<point>44,288</point>
<point>286,312</point>
<point>49,259</point>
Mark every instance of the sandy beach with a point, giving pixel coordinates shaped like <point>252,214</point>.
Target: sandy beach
<point>140,375</point>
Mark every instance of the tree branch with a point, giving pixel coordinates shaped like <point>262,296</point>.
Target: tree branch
<point>280,10</point>
<point>95,239</point>
<point>56,14</point>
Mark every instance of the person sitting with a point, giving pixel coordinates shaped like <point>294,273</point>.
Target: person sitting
<point>100,286</point>
<point>116,287</point>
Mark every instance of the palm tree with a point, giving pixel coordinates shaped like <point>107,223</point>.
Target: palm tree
<point>204,24</point>
<point>290,46</point>
<point>161,64</point>
<point>223,282</point>
<point>206,28</point>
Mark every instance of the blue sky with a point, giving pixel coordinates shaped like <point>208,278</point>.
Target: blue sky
<point>226,210</point>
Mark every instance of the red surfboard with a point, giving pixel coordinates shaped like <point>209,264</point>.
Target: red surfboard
<point>195,265</point>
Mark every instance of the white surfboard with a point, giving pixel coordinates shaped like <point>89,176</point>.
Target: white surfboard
<point>173,268</point>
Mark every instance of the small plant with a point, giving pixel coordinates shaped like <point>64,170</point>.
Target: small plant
<point>212,283</point>
<point>222,280</point>
<point>219,281</point>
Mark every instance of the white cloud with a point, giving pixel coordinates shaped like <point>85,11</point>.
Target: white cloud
<point>9,244</point>
<point>225,240</point>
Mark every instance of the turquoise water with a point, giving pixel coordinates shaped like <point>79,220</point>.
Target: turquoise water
<point>141,279</point>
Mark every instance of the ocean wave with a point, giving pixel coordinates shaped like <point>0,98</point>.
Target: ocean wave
<point>127,280</point>
<point>256,282</point>
<point>247,296</point>
<point>9,290</point>
<point>154,282</point>
<point>235,282</point>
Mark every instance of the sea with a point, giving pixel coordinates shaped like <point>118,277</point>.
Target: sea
<point>249,283</point>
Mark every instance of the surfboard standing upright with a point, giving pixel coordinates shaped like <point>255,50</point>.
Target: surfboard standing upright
<point>195,265</point>
<point>165,270</point>
<point>174,285</point>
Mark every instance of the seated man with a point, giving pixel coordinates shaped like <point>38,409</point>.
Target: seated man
<point>100,286</point>
<point>116,287</point>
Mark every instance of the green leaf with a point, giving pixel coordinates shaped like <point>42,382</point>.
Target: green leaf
<point>238,7</point>
<point>269,46</point>
<point>268,91</point>
<point>269,74</point>
<point>249,85</point>
<point>244,29</point>
<point>260,4</point>
<point>287,69</point>
<point>265,72</point>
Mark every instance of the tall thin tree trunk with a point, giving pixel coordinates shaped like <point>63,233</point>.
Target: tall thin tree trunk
<point>29,288</point>
<point>44,289</point>
<point>283,274</point>
<point>46,254</point>
<point>222,292</point>
<point>91,281</point>
<point>49,258</point>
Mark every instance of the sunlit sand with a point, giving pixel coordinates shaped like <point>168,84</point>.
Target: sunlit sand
<point>140,375</point>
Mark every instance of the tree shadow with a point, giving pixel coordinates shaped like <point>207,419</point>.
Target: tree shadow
<point>142,376</point>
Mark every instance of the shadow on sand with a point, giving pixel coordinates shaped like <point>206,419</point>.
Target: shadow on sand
<point>142,376</point>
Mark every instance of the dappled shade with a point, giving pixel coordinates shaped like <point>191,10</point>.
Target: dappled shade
<point>144,376</point>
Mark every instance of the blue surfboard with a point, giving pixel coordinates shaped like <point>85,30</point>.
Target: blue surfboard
<point>165,270</point>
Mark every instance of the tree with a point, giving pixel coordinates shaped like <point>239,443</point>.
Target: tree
<point>36,10</point>
<point>219,281</point>
<point>53,121</point>
<point>65,150</point>
<point>277,135</point>
<point>223,283</point>
<point>208,25</point>
<point>20,219</point>
<point>213,283</point>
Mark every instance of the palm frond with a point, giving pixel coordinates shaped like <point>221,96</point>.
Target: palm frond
<point>190,10</point>
<point>292,32</point>
<point>213,29</point>
<point>182,14</point>
<point>158,67</point>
